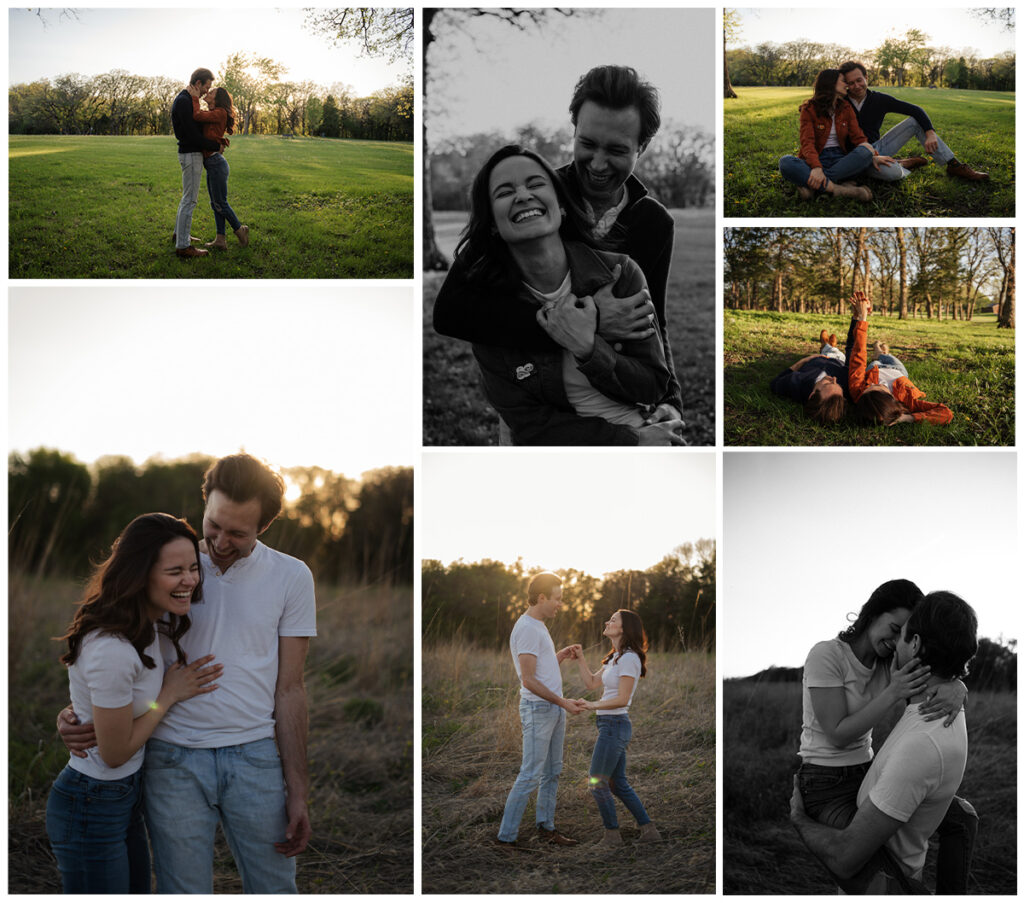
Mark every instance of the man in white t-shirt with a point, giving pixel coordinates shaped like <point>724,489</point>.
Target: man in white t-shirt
<point>236,756</point>
<point>913,779</point>
<point>542,711</point>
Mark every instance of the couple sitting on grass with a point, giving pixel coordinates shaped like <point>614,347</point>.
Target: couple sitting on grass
<point>840,138</point>
<point>542,709</point>
<point>881,391</point>
<point>868,816</point>
<point>202,140</point>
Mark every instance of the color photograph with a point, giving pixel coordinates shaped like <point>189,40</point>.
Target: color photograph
<point>568,285</point>
<point>869,697</point>
<point>568,649</point>
<point>908,113</point>
<point>858,336</point>
<point>210,144</point>
<point>210,635</point>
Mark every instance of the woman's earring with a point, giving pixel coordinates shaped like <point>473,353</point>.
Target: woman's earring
<point>561,210</point>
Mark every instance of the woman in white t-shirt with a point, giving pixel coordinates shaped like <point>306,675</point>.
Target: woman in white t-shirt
<point>621,669</point>
<point>850,686</point>
<point>94,811</point>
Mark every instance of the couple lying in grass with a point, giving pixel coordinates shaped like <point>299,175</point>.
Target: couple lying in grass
<point>881,391</point>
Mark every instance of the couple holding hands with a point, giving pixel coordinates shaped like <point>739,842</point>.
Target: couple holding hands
<point>542,709</point>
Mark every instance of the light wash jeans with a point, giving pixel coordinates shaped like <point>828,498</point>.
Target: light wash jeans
<point>838,167</point>
<point>888,360</point>
<point>191,176</point>
<point>608,771</point>
<point>189,790</point>
<point>832,352</point>
<point>893,141</point>
<point>543,739</point>
<point>217,171</point>
<point>97,834</point>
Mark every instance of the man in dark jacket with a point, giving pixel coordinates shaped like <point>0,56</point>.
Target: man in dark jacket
<point>872,107</point>
<point>191,145</point>
<point>615,114</point>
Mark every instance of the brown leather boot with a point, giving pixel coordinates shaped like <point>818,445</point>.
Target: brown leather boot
<point>913,162</point>
<point>845,190</point>
<point>963,171</point>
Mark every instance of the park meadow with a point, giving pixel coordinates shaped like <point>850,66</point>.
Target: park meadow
<point>359,683</point>
<point>104,207</point>
<point>762,124</point>
<point>472,743</point>
<point>762,854</point>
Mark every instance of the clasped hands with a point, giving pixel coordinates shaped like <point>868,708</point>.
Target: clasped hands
<point>574,706</point>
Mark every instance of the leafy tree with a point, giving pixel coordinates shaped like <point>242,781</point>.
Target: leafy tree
<point>331,118</point>
<point>382,32</point>
<point>731,27</point>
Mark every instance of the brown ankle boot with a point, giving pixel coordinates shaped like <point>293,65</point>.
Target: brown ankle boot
<point>843,190</point>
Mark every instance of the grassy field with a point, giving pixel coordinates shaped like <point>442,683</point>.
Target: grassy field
<point>472,744</point>
<point>455,410</point>
<point>359,680</point>
<point>968,366</point>
<point>101,207</point>
<point>762,124</point>
<point>762,853</point>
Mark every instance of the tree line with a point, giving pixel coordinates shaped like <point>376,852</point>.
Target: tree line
<point>122,103</point>
<point>479,602</point>
<point>677,167</point>
<point>63,515</point>
<point>899,61</point>
<point>905,272</point>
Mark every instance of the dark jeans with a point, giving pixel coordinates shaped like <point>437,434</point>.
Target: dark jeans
<point>98,835</point>
<point>217,171</point>
<point>608,771</point>
<point>837,166</point>
<point>830,797</point>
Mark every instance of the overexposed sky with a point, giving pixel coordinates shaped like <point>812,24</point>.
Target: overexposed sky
<point>174,42</point>
<point>808,535</point>
<point>867,29</point>
<point>594,511</point>
<point>324,376</point>
<point>486,75</point>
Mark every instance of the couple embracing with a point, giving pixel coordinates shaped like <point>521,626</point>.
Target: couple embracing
<point>202,140</point>
<point>542,709</point>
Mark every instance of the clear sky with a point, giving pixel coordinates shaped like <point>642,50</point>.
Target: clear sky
<point>808,535</point>
<point>173,42</point>
<point>317,376</point>
<point>487,75</point>
<point>594,511</point>
<point>955,28</point>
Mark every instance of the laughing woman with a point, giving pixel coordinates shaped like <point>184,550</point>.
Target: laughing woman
<point>145,588</point>
<point>620,673</point>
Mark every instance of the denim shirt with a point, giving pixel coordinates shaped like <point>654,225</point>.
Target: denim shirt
<point>526,386</point>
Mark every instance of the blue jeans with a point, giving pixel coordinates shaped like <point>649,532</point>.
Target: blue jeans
<point>189,790</point>
<point>543,739</point>
<point>888,360</point>
<point>217,171</point>
<point>893,141</point>
<point>191,176</point>
<point>608,771</point>
<point>97,834</point>
<point>830,797</point>
<point>838,167</point>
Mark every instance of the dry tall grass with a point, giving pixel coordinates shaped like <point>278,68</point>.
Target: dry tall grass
<point>471,754</point>
<point>359,680</point>
<point>762,853</point>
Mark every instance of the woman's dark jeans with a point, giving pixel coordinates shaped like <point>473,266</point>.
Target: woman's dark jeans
<point>98,835</point>
<point>608,771</point>
<point>837,166</point>
<point>217,171</point>
<point>830,797</point>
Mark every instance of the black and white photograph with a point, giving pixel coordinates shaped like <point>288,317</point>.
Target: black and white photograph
<point>568,285</point>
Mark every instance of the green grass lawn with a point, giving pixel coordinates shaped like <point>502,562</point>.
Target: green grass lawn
<point>455,410</point>
<point>968,366</point>
<point>762,124</point>
<point>103,207</point>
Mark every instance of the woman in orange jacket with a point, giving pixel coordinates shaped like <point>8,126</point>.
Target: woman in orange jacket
<point>832,146</point>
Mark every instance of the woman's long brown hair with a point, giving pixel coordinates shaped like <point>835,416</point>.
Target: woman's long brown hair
<point>634,639</point>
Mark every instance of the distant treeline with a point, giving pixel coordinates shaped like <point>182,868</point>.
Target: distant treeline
<point>993,668</point>
<point>677,167</point>
<point>63,515</point>
<point>479,602</point>
<point>899,61</point>
<point>122,103</point>
<point>906,272</point>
